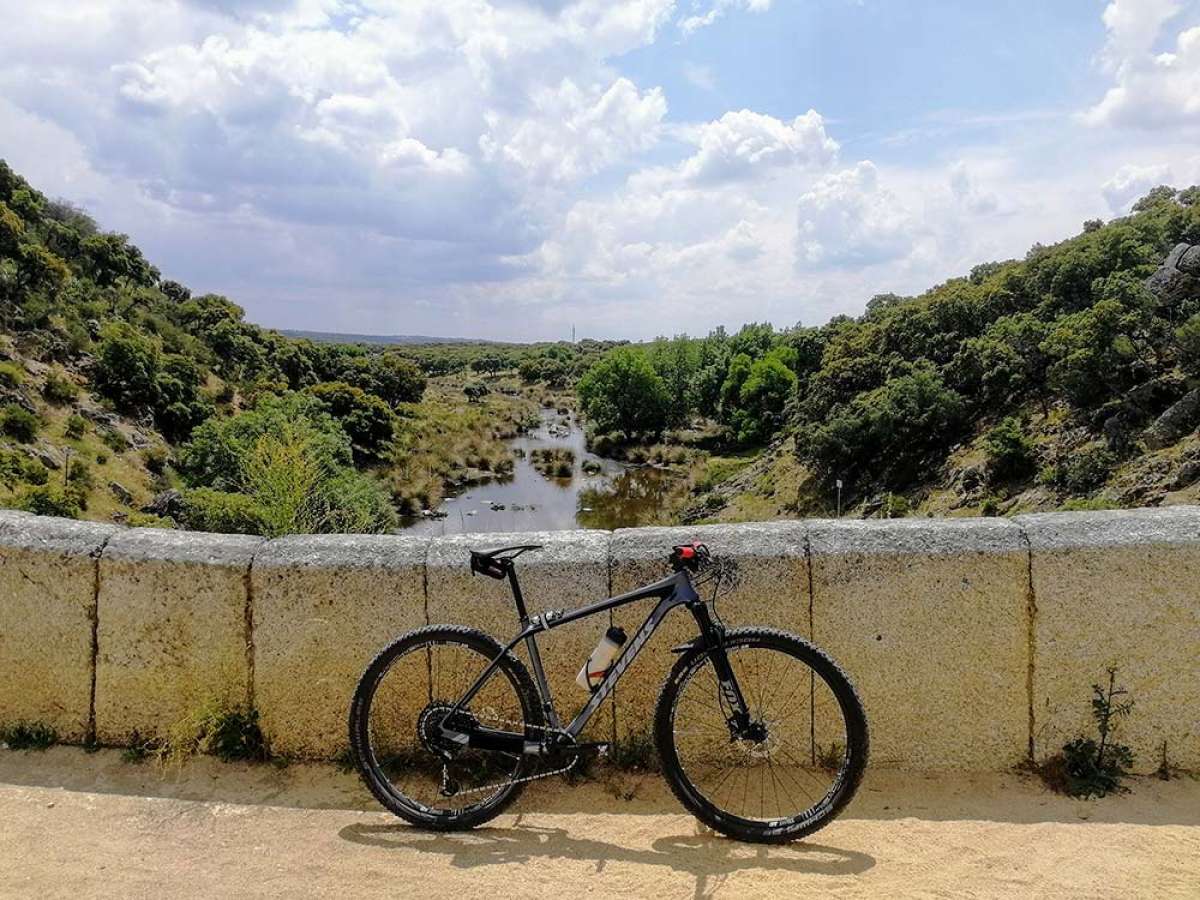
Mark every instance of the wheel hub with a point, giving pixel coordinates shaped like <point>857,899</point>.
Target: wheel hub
<point>756,741</point>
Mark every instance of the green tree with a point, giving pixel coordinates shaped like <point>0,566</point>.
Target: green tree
<point>1188,336</point>
<point>394,379</point>
<point>622,392</point>
<point>128,365</point>
<point>764,395</point>
<point>364,417</point>
<point>887,435</point>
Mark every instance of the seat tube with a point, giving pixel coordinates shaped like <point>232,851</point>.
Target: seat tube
<point>535,658</point>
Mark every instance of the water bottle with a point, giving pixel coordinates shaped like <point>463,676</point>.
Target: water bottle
<point>598,663</point>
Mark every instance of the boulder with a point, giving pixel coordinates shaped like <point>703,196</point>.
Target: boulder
<point>168,504</point>
<point>121,492</point>
<point>1181,417</point>
<point>1179,275</point>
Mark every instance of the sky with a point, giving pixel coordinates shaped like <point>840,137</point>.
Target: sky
<point>516,169</point>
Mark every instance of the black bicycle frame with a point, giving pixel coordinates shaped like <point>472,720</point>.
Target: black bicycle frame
<point>674,590</point>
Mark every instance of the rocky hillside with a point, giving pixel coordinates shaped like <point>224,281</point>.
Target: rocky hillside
<point>1140,447</point>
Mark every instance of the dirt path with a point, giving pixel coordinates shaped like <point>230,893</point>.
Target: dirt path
<point>76,825</point>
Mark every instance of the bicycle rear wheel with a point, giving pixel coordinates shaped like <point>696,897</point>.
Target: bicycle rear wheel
<point>807,753</point>
<point>401,701</point>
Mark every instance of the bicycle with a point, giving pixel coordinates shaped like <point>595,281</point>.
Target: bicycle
<point>447,725</point>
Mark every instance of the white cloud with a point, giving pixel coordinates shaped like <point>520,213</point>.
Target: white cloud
<point>1151,90</point>
<point>575,133</point>
<point>702,15</point>
<point>1131,182</point>
<point>967,192</point>
<point>848,219</point>
<point>743,143</point>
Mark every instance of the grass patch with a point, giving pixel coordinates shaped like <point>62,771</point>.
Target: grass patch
<point>231,735</point>
<point>28,736</point>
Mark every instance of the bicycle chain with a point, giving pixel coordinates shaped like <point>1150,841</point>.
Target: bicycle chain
<point>509,783</point>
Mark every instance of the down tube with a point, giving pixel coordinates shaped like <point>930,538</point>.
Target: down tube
<point>623,662</point>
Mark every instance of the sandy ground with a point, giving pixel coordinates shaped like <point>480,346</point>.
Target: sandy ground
<point>80,825</point>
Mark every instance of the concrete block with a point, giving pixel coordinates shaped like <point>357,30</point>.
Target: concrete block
<point>928,618</point>
<point>570,570</point>
<point>772,592</point>
<point>323,606</point>
<point>48,571</point>
<point>1118,589</point>
<point>173,634</point>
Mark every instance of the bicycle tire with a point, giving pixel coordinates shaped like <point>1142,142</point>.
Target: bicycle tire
<point>780,830</point>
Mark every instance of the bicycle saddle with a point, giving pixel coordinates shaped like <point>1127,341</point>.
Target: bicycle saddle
<point>495,562</point>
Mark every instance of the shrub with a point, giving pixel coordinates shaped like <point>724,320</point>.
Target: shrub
<point>28,735</point>
<point>293,460</point>
<point>11,375</point>
<point>1009,452</point>
<point>155,459</point>
<point>1188,336</point>
<point>1088,504</point>
<point>59,389</point>
<point>80,473</point>
<point>148,520</point>
<point>114,440</point>
<point>206,509</point>
<point>895,506</point>
<point>75,427</point>
<point>17,468</point>
<point>1084,471</point>
<point>50,500</point>
<point>19,423</point>
<point>364,417</point>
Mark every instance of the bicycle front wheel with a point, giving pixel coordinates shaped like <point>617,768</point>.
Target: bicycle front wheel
<point>803,758</point>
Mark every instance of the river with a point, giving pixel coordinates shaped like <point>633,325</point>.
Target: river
<point>612,495</point>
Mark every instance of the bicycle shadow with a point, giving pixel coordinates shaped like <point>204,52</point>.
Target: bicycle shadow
<point>710,859</point>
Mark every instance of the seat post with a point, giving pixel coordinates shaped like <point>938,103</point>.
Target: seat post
<point>518,598</point>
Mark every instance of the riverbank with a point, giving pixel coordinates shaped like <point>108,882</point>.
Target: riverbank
<point>80,824</point>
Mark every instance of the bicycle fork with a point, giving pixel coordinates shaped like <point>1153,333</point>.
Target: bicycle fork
<point>712,637</point>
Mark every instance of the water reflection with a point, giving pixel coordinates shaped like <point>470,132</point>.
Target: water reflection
<point>608,495</point>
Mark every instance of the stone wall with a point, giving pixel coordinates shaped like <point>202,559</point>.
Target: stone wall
<point>973,642</point>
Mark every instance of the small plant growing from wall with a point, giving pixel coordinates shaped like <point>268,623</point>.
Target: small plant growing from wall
<point>28,736</point>
<point>1088,767</point>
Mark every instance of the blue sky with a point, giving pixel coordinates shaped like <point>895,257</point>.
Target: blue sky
<point>513,168</point>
